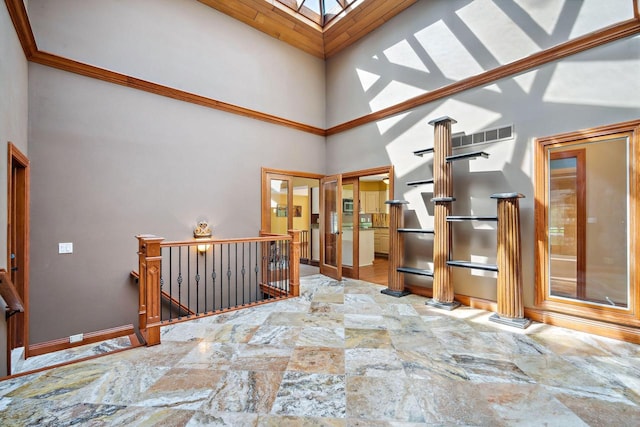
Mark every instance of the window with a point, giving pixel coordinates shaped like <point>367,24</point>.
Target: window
<point>586,223</point>
<point>319,11</point>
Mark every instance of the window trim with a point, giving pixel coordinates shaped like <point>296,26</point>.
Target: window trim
<point>542,146</point>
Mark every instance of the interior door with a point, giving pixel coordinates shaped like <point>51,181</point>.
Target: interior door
<point>18,242</point>
<point>331,226</point>
<point>350,233</point>
<point>279,217</point>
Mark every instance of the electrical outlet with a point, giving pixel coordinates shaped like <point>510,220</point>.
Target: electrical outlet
<point>65,248</point>
<point>76,338</point>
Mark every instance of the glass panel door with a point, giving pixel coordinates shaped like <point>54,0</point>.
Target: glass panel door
<point>350,228</point>
<point>330,226</point>
<point>280,215</point>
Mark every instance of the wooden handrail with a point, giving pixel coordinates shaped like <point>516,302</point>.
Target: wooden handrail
<point>262,238</point>
<point>150,270</point>
<point>10,295</point>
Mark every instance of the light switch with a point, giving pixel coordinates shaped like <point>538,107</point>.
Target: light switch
<point>65,248</point>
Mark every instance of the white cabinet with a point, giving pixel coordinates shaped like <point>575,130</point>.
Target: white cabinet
<point>381,240</point>
<point>382,199</point>
<point>374,201</point>
<point>370,201</point>
<point>366,254</point>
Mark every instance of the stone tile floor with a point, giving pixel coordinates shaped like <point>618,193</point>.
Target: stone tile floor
<point>342,354</point>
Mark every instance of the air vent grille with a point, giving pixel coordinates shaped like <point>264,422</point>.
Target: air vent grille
<point>486,136</point>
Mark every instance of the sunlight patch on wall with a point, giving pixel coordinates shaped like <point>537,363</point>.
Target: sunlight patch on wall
<point>400,150</point>
<point>484,206</point>
<point>394,93</point>
<point>418,206</point>
<point>596,83</point>
<point>526,80</point>
<point>386,124</point>
<point>453,60</point>
<point>367,79</point>
<point>403,54</point>
<point>480,259</point>
<point>546,14</point>
<point>595,15</point>
<point>471,118</point>
<point>493,88</point>
<point>505,40</point>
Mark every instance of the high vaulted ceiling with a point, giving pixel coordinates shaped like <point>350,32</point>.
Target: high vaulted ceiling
<point>299,24</point>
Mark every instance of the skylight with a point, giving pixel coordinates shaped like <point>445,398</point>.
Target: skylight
<point>319,11</point>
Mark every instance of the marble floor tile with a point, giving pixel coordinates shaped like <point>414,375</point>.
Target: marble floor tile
<point>32,363</point>
<point>318,336</point>
<point>181,388</point>
<point>373,362</point>
<point>342,354</point>
<point>302,394</point>
<point>382,398</point>
<point>244,391</point>
<point>367,338</point>
<point>317,360</point>
<point>364,321</point>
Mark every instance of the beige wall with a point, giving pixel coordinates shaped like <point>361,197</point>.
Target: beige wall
<point>186,45</point>
<point>109,162</point>
<point>430,45</point>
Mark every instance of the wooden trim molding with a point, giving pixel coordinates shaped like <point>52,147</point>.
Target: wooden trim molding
<point>65,64</point>
<point>572,47</point>
<point>133,338</point>
<point>582,310</point>
<point>18,13</point>
<point>22,26</point>
<point>89,338</point>
<point>605,329</point>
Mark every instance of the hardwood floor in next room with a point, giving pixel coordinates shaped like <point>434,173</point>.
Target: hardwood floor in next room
<point>377,273</point>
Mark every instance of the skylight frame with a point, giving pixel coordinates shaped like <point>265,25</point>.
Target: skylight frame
<point>324,17</point>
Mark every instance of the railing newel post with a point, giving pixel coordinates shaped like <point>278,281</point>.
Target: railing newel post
<point>149,304</point>
<point>294,264</point>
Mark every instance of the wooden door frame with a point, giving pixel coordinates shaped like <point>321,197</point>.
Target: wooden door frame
<point>584,314</point>
<point>18,215</point>
<point>334,272</point>
<point>266,174</point>
<point>353,271</point>
<point>357,175</point>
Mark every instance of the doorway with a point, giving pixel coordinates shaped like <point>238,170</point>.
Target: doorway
<point>291,200</point>
<point>371,190</point>
<point>348,221</point>
<point>18,243</point>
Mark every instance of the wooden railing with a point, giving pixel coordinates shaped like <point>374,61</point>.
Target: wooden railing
<point>188,279</point>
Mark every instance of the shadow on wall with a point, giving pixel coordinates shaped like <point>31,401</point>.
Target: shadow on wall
<point>434,44</point>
